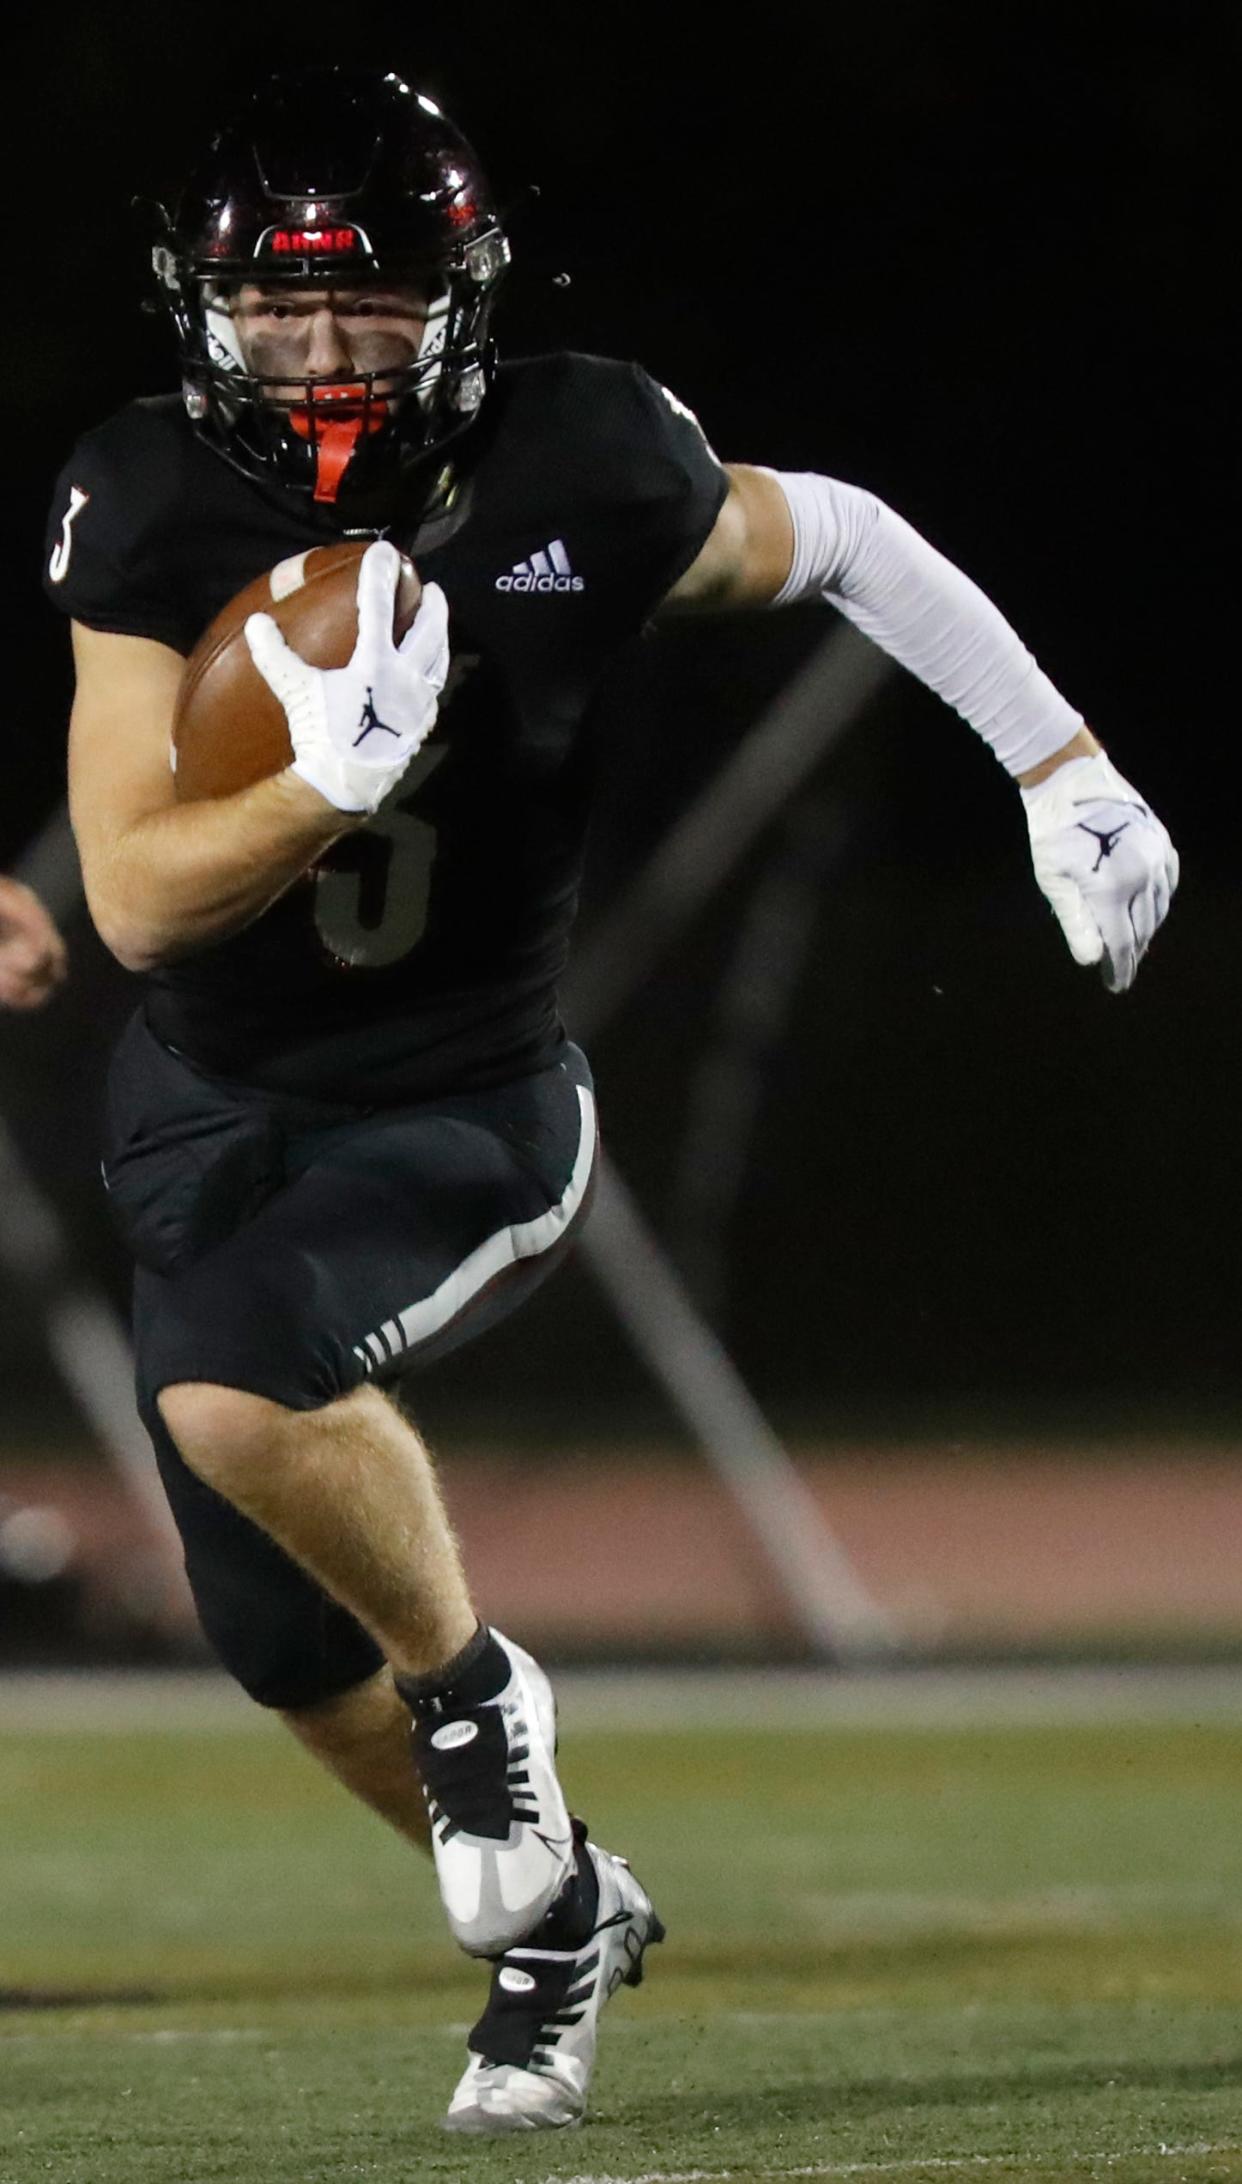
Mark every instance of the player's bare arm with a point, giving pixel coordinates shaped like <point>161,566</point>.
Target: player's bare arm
<point>748,555</point>
<point>1101,857</point>
<point>164,878</point>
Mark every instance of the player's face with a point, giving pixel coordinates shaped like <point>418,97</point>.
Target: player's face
<point>320,332</point>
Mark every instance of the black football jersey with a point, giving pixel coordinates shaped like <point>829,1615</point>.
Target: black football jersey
<point>422,953</point>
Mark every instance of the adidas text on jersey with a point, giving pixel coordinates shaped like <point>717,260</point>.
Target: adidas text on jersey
<point>546,571</point>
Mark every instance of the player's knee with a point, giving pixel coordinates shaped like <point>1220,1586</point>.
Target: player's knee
<point>297,1668</point>
<point>287,1684</point>
<point>284,1679</point>
<point>221,1432</point>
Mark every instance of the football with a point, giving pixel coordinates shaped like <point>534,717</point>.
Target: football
<point>229,729</point>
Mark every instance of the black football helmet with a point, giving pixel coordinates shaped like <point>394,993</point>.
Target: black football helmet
<point>334,175</point>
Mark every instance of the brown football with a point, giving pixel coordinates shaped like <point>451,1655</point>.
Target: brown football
<point>229,729</point>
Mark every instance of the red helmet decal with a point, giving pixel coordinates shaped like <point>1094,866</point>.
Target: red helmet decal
<point>325,242</point>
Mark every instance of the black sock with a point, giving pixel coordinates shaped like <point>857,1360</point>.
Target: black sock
<point>476,1674</point>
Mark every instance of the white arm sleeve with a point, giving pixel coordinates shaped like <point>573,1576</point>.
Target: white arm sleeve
<point>869,563</point>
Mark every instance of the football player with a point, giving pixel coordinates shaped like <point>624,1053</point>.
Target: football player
<point>32,954</point>
<point>346,1130</point>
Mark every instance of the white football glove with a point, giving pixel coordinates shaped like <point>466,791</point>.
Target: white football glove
<point>355,729</point>
<point>1104,861</point>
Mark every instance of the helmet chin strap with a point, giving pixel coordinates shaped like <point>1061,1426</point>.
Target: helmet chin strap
<point>334,438</point>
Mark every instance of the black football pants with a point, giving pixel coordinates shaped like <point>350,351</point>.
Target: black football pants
<point>298,1250</point>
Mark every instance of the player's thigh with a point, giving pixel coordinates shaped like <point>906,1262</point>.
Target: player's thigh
<point>398,1236</point>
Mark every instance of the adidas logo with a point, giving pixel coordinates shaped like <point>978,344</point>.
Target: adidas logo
<point>546,571</point>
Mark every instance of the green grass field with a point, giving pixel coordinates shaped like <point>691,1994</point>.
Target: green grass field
<point>1004,1953</point>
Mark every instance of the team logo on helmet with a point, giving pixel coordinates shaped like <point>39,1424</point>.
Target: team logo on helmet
<point>325,242</point>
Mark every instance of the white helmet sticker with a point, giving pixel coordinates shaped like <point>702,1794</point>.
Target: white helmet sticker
<point>435,334</point>
<point>223,347</point>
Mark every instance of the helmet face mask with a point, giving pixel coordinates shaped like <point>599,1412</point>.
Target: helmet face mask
<point>349,185</point>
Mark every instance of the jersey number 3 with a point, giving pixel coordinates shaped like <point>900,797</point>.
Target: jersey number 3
<point>58,566</point>
<point>371,901</point>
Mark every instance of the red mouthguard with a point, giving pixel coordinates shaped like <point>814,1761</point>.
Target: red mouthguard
<point>334,422</point>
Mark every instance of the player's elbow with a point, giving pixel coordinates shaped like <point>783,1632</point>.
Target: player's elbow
<point>133,914</point>
<point>135,946</point>
<point>137,941</point>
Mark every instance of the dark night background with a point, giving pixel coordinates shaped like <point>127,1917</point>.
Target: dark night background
<point>978,261</point>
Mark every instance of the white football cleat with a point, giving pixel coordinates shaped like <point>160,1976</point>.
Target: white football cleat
<point>534,2046</point>
<point>500,1829</point>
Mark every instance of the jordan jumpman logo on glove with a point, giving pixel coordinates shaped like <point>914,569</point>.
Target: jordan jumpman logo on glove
<point>391,686</point>
<point>1104,861</point>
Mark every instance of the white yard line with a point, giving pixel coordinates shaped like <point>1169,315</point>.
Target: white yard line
<point>942,2164</point>
<point>184,2036</point>
<point>678,1699</point>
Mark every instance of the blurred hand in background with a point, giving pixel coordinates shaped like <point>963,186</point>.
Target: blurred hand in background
<point>33,962</point>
